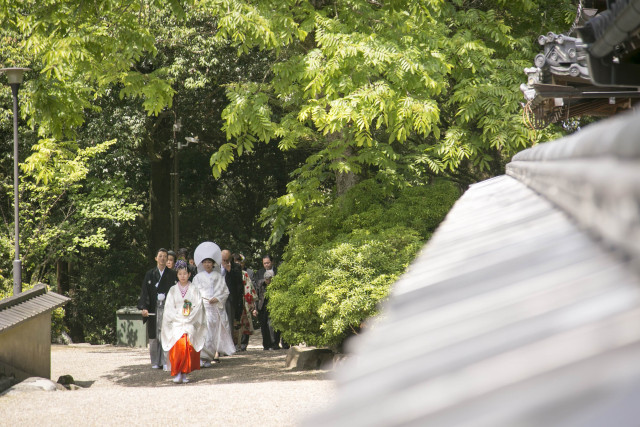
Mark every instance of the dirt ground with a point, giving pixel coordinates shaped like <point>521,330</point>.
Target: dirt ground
<point>119,386</point>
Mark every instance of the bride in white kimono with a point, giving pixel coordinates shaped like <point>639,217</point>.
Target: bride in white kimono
<point>214,291</point>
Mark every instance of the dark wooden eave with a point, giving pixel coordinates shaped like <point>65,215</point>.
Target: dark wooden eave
<point>18,309</point>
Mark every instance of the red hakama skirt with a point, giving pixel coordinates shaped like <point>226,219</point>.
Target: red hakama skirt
<point>183,357</point>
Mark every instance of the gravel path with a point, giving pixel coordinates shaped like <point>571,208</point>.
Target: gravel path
<point>120,387</point>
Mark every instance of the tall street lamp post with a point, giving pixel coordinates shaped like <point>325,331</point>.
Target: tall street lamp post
<point>14,76</point>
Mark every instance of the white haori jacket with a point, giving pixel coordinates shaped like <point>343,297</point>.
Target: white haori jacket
<point>177,322</point>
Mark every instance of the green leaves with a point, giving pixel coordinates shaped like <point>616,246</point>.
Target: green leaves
<point>263,25</point>
<point>153,88</point>
<point>352,81</point>
<point>438,78</point>
<point>79,50</point>
<point>396,91</point>
<point>63,208</point>
<point>343,258</point>
<point>221,159</point>
<point>251,114</point>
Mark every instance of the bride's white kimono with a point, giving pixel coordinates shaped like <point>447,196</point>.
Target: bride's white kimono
<point>218,337</point>
<point>175,323</point>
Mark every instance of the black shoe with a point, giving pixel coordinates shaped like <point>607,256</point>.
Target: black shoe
<point>275,347</point>
<point>286,347</point>
<point>243,348</point>
<point>267,348</point>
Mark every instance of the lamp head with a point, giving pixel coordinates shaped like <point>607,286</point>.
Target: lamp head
<point>189,139</point>
<point>14,75</point>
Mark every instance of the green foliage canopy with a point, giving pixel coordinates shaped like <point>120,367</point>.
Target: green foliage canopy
<point>79,50</point>
<point>406,88</point>
<point>393,92</point>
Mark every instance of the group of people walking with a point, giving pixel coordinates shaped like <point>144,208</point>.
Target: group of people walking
<point>201,307</point>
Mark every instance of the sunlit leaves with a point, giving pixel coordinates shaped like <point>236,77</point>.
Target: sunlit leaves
<point>78,50</point>
<point>363,77</point>
<point>415,73</point>
<point>153,88</point>
<point>63,208</point>
<point>342,259</point>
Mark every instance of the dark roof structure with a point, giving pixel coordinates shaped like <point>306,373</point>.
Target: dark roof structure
<point>524,307</point>
<point>592,70</point>
<point>19,308</point>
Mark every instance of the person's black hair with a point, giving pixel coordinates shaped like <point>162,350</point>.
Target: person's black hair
<point>170,252</point>
<point>267,256</point>
<point>162,250</point>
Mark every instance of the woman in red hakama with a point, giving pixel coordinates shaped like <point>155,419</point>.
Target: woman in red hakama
<point>183,326</point>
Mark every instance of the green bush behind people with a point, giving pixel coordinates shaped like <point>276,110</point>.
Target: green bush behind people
<point>341,261</point>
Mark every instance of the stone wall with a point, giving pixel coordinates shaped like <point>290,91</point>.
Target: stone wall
<point>25,350</point>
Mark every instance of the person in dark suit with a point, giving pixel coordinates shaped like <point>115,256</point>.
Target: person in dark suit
<point>232,274</point>
<point>267,265</point>
<point>155,286</point>
<point>270,337</point>
<point>268,334</point>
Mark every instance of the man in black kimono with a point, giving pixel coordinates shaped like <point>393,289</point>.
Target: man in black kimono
<point>232,274</point>
<point>270,337</point>
<point>155,286</point>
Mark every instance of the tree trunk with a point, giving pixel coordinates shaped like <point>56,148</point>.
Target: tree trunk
<point>72,317</point>
<point>62,277</point>
<point>346,180</point>
<point>160,203</point>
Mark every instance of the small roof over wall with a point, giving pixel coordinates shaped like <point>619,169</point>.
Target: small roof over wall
<point>19,308</point>
<point>524,307</point>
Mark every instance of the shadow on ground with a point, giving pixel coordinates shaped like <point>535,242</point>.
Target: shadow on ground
<point>252,366</point>
<point>84,384</point>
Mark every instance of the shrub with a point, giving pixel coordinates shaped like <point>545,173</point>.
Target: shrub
<point>57,323</point>
<point>342,259</point>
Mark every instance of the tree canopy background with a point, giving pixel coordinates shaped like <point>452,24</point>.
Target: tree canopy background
<point>335,135</point>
